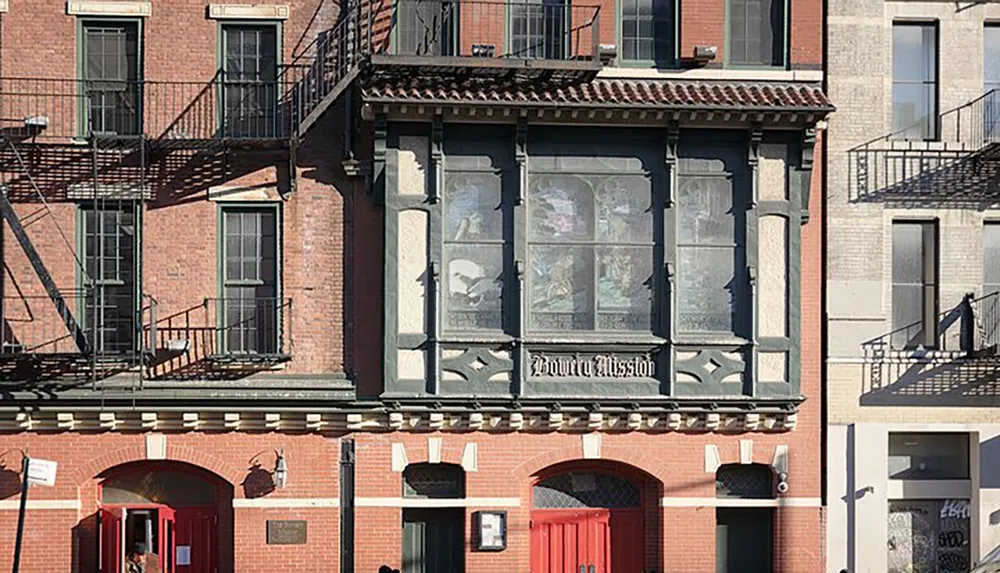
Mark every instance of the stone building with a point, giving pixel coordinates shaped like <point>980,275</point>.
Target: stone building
<point>913,462</point>
<point>434,284</point>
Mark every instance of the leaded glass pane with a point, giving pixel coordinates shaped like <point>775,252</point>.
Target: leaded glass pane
<point>624,288</point>
<point>474,284</point>
<point>561,207</point>
<point>705,289</point>
<point>433,481</point>
<point>623,210</point>
<point>177,489</point>
<point>705,213</point>
<point>562,284</point>
<point>473,211</point>
<point>751,481</point>
<point>585,490</point>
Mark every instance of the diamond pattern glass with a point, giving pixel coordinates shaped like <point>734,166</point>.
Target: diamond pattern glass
<point>581,490</point>
<point>753,481</point>
<point>433,481</point>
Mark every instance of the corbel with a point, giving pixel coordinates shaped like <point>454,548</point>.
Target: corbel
<point>805,166</point>
<point>521,156</point>
<point>437,159</point>
<point>670,158</point>
<point>381,135</point>
<point>753,160</point>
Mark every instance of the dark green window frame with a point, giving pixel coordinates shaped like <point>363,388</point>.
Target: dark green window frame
<point>257,112</point>
<point>779,39</point>
<point>663,32</point>
<point>110,94</point>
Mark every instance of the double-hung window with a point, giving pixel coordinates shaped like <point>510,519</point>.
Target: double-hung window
<point>109,249</point>
<point>250,88</point>
<point>756,32</point>
<point>914,80</point>
<point>914,284</point>
<point>538,29</point>
<point>250,310</point>
<point>110,67</point>
<point>647,30</point>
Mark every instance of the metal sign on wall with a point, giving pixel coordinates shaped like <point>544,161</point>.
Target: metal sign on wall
<point>592,366</point>
<point>286,532</point>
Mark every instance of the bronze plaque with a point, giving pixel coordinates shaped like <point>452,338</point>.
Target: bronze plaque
<point>286,532</point>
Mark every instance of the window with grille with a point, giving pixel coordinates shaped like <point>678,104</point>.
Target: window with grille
<point>110,53</point>
<point>538,29</point>
<point>757,32</point>
<point>250,307</point>
<point>427,28</point>
<point>647,30</point>
<point>434,481</point>
<point>250,88</point>
<point>585,489</point>
<point>109,251</point>
<point>744,481</point>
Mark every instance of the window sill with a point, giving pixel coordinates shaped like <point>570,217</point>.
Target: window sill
<point>703,340</point>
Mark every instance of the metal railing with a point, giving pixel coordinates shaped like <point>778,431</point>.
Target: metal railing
<point>111,324</point>
<point>938,157</point>
<point>213,109</point>
<point>249,328</point>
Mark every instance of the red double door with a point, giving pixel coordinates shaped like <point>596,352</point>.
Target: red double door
<point>586,541</point>
<point>183,540</point>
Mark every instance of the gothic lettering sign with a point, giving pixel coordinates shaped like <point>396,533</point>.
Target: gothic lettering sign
<point>286,532</point>
<point>599,366</point>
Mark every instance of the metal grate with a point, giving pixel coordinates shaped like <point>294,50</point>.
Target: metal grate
<point>753,481</point>
<point>434,481</point>
<point>579,490</point>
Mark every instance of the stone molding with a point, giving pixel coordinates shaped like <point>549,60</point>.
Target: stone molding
<point>248,11</point>
<point>108,8</point>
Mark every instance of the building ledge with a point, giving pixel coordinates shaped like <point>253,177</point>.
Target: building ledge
<point>248,11</point>
<point>108,8</point>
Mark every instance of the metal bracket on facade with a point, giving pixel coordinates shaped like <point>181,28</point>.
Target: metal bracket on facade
<point>806,165</point>
<point>293,179</point>
<point>521,156</point>
<point>437,159</point>
<point>753,160</point>
<point>434,332</point>
<point>376,187</point>
<point>670,159</point>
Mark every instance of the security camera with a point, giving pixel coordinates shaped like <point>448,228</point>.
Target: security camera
<point>782,482</point>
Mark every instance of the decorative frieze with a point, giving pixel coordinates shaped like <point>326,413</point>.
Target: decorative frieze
<point>465,420</point>
<point>248,11</point>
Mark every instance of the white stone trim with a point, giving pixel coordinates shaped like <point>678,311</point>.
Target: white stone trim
<point>591,446</point>
<point>156,447</point>
<point>4,5</point>
<point>63,504</point>
<point>108,8</point>
<point>434,447</point>
<point>780,460</point>
<point>723,502</point>
<point>712,459</point>
<point>470,457</point>
<point>929,489</point>
<point>746,452</point>
<point>430,503</point>
<point>286,502</point>
<point>248,11</point>
<point>712,74</point>
<point>258,193</point>
<point>399,459</point>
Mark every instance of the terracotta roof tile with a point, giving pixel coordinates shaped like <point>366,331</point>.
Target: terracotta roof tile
<point>667,94</point>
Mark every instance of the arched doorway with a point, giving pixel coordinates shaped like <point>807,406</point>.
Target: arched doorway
<point>587,520</point>
<point>166,513</point>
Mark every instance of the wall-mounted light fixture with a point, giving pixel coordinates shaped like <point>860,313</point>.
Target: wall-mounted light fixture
<point>491,530</point>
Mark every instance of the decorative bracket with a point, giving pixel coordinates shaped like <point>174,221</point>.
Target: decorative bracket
<point>521,156</point>
<point>437,159</point>
<point>805,166</point>
<point>753,159</point>
<point>670,158</point>
<point>376,187</point>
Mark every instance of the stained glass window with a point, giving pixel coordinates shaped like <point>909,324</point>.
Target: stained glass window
<point>590,248</point>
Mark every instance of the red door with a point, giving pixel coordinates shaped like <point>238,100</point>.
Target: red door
<point>195,540</point>
<point>166,517</point>
<point>110,543</point>
<point>586,541</point>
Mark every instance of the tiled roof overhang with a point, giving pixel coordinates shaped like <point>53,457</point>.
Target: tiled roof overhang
<point>666,95</point>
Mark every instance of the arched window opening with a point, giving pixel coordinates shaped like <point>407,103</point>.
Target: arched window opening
<point>434,481</point>
<point>433,537</point>
<point>585,490</point>
<point>158,486</point>
<point>744,481</point>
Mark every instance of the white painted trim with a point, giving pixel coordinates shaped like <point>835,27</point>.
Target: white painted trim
<point>286,502</point>
<point>15,504</point>
<point>248,11</point>
<point>106,8</point>
<point>929,489</point>
<point>712,74</point>
<point>4,5</point>
<point>413,502</point>
<point>722,502</point>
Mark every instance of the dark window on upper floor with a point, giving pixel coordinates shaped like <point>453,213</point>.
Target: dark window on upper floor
<point>647,30</point>
<point>922,456</point>
<point>427,28</point>
<point>757,32</point>
<point>109,251</point>
<point>538,29</point>
<point>110,67</point>
<point>914,284</point>
<point>250,72</point>
<point>250,309</point>
<point>914,80</point>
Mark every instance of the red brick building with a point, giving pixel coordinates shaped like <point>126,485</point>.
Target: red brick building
<point>443,286</point>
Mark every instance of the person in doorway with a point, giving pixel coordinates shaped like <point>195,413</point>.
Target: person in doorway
<point>135,561</point>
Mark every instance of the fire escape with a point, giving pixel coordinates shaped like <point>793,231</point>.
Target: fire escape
<point>950,161</point>
<point>108,145</point>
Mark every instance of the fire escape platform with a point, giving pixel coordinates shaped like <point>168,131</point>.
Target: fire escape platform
<point>569,71</point>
